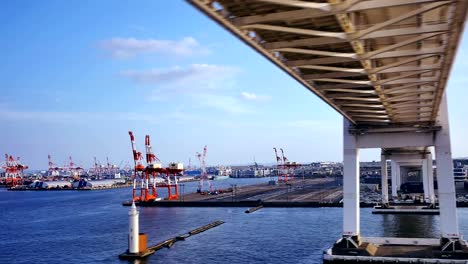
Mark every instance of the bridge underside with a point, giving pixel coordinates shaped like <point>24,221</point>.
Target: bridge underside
<point>382,64</point>
<point>376,62</point>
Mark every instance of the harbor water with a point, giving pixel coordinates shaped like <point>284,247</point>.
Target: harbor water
<point>91,227</point>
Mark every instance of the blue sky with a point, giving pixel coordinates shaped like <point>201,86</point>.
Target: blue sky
<point>77,75</point>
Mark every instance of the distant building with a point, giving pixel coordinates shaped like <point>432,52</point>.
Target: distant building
<point>252,173</point>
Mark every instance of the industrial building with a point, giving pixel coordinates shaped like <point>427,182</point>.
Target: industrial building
<point>97,183</point>
<point>50,184</point>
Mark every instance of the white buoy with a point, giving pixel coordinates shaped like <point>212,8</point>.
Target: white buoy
<point>133,231</point>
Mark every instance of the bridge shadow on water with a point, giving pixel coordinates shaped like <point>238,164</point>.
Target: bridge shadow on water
<point>400,225</point>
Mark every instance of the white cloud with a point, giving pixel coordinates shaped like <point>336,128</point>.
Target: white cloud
<point>122,48</point>
<point>197,76</point>
<point>229,104</point>
<point>254,97</point>
<point>205,85</point>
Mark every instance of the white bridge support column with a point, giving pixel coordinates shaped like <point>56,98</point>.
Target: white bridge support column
<point>395,172</point>
<point>398,176</point>
<point>445,180</point>
<point>351,215</point>
<point>384,176</point>
<point>430,179</point>
<point>425,178</point>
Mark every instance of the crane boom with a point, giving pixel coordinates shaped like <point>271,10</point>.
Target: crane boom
<point>278,159</point>
<point>150,156</point>
<point>282,154</point>
<point>137,157</point>
<point>204,175</point>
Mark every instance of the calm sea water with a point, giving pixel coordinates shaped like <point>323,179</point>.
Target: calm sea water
<point>91,227</point>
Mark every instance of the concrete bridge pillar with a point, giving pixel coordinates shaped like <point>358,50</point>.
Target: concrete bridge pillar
<point>425,178</point>
<point>395,176</point>
<point>397,139</point>
<point>398,176</point>
<point>445,180</point>
<point>430,179</point>
<point>351,215</point>
<point>384,176</point>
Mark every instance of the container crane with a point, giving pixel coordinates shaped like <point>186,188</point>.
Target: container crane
<point>21,167</point>
<point>51,163</point>
<point>285,167</point>
<point>10,171</point>
<point>139,168</point>
<point>278,159</point>
<point>174,169</point>
<point>285,160</point>
<point>151,170</point>
<point>204,175</point>
<point>108,166</point>
<point>111,169</point>
<point>156,169</point>
<point>13,171</point>
<point>53,170</point>
<point>75,171</point>
<point>137,157</point>
<point>96,169</point>
<point>279,166</point>
<point>288,168</point>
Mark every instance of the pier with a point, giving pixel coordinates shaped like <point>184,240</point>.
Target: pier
<point>318,192</point>
<point>253,209</point>
<point>25,188</point>
<point>150,250</point>
<point>397,250</point>
<point>405,209</point>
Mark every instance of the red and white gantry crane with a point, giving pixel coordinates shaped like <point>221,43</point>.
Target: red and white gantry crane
<point>54,171</point>
<point>13,171</point>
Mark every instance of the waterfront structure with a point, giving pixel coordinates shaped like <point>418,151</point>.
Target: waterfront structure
<point>54,170</point>
<point>401,161</point>
<point>50,184</point>
<point>97,183</point>
<point>13,171</point>
<point>460,174</point>
<point>218,171</point>
<point>204,175</point>
<point>146,178</point>
<point>133,230</point>
<point>384,66</point>
<point>252,173</point>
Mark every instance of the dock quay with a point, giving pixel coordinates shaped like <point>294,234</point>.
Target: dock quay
<point>318,192</point>
<point>406,209</point>
<point>248,204</point>
<point>309,192</point>
<point>394,250</point>
<point>25,188</point>
<point>169,242</point>
<point>253,209</point>
<point>299,190</point>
